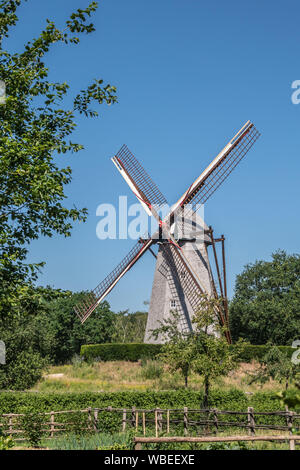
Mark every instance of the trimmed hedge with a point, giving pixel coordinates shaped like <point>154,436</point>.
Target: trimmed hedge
<point>20,402</point>
<point>135,351</point>
<point>233,400</point>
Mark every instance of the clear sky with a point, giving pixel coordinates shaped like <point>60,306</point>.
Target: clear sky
<point>189,74</point>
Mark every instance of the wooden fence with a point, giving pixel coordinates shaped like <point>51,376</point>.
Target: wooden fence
<point>157,421</point>
<point>138,441</point>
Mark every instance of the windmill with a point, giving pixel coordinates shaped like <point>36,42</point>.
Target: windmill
<point>183,273</point>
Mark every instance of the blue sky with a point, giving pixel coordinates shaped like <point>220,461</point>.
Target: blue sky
<point>188,74</point>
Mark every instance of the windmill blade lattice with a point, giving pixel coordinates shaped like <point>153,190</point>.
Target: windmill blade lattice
<point>92,299</point>
<point>218,173</point>
<point>150,193</point>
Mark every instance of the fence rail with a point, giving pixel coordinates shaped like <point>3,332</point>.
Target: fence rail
<point>138,441</point>
<point>180,420</point>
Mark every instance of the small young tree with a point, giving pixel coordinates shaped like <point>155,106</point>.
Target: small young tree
<point>212,357</point>
<point>204,351</point>
<point>277,366</point>
<point>177,349</point>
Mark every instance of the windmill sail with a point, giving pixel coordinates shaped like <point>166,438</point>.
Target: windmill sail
<point>184,274</point>
<point>220,168</point>
<point>91,301</point>
<point>138,180</point>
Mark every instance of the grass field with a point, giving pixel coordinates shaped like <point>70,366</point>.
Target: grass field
<point>139,376</point>
<point>124,441</point>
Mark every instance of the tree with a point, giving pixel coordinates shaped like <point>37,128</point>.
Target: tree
<point>177,350</point>
<point>212,357</point>
<point>24,342</point>
<point>204,351</point>
<point>266,302</point>
<point>277,366</point>
<point>65,332</point>
<point>34,129</point>
<point>129,327</point>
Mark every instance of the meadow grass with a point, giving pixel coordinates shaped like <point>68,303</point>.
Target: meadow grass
<point>124,441</point>
<point>138,376</point>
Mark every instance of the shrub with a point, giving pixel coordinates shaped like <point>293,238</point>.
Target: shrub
<point>32,423</point>
<point>136,351</point>
<point>6,442</point>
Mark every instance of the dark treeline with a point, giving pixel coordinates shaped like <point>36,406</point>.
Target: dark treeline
<point>46,331</point>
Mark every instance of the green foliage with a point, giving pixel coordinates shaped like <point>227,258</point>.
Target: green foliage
<point>24,363</point>
<point>119,352</point>
<point>78,423</point>
<point>266,303</point>
<point>225,446</point>
<point>251,352</point>
<point>52,335</point>
<point>66,333</point>
<point>211,355</point>
<point>129,327</point>
<point>277,366</point>
<point>19,402</point>
<point>291,398</point>
<point>110,422</point>
<point>35,127</point>
<point>32,425</point>
<point>135,352</point>
<point>99,441</point>
<point>205,352</point>
<point>177,348</point>
<point>152,369</point>
<point>36,123</point>
<point>6,442</point>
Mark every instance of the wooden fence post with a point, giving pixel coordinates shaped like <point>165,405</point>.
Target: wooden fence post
<point>185,420</point>
<point>168,421</point>
<point>289,419</point>
<point>89,418</point>
<point>124,420</point>
<point>251,421</point>
<point>144,424</point>
<point>96,420</point>
<point>156,429</point>
<point>133,417</point>
<point>215,412</point>
<point>159,420</point>
<point>10,424</point>
<point>52,426</point>
<point>136,420</point>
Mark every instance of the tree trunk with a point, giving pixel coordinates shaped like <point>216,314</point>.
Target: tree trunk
<point>206,392</point>
<point>186,381</point>
<point>287,384</point>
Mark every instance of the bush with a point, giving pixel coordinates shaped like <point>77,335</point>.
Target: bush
<point>110,421</point>
<point>32,423</point>
<point>6,442</point>
<point>253,352</point>
<point>136,351</point>
<point>22,371</point>
<point>20,402</point>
